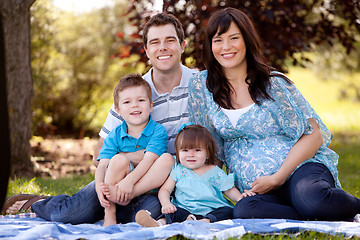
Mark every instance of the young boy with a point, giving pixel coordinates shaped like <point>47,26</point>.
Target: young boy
<point>116,175</point>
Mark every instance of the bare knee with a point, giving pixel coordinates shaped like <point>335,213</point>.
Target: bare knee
<point>166,160</point>
<point>119,161</point>
<point>118,167</point>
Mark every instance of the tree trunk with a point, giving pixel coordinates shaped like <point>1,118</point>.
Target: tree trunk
<point>16,26</point>
<point>4,122</point>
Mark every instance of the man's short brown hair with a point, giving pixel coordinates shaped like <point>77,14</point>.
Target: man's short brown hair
<point>162,19</point>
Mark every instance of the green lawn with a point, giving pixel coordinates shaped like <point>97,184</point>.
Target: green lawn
<point>341,117</point>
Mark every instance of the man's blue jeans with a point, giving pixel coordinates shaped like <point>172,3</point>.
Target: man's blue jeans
<point>84,207</point>
<point>309,194</point>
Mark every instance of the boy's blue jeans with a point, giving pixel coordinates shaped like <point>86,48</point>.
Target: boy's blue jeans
<point>84,207</point>
<point>309,194</point>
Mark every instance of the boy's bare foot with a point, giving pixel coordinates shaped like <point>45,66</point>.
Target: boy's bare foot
<point>110,215</point>
<point>109,220</point>
<point>110,191</point>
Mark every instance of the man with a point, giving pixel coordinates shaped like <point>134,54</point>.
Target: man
<point>164,44</point>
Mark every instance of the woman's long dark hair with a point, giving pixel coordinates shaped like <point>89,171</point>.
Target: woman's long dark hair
<point>258,71</point>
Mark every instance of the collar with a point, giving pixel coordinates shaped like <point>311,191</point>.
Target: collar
<point>147,131</point>
<point>186,74</point>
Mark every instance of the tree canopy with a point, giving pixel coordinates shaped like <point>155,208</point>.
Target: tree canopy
<point>287,28</point>
<point>72,66</point>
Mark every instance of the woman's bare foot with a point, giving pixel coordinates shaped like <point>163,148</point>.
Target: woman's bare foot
<point>110,191</point>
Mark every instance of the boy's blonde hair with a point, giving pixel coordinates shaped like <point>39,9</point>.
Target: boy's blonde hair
<point>130,80</point>
<point>196,136</point>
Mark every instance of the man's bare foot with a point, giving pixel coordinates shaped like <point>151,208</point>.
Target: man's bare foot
<point>15,208</point>
<point>20,203</point>
<point>110,191</point>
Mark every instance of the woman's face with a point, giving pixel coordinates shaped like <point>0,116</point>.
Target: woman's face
<point>229,48</point>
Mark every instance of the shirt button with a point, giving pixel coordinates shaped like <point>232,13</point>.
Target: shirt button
<point>137,146</point>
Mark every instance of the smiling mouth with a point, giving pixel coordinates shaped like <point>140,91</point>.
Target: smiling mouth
<point>228,55</point>
<point>164,57</point>
<point>191,161</point>
<point>135,113</point>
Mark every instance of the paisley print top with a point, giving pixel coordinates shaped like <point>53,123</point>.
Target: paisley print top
<point>264,135</point>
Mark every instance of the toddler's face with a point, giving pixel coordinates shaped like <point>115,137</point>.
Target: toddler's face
<point>193,158</point>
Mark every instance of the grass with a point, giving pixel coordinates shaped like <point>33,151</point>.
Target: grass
<point>341,117</point>
<point>48,186</point>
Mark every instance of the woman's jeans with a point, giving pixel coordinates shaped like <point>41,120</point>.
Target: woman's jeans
<point>84,207</point>
<point>309,194</point>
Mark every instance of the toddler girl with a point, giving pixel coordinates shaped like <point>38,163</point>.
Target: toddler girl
<point>199,184</point>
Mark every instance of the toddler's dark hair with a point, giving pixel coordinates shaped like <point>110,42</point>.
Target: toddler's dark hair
<point>196,136</point>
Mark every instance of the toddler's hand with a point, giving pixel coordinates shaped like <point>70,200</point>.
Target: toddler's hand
<point>248,193</point>
<point>168,208</point>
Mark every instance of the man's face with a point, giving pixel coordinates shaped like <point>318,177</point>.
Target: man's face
<point>163,48</point>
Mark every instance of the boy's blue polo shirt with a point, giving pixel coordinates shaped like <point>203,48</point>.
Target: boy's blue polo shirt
<point>152,139</point>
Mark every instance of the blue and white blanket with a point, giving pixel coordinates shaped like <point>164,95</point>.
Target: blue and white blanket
<point>28,226</point>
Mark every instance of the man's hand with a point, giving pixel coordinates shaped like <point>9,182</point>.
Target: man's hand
<point>97,151</point>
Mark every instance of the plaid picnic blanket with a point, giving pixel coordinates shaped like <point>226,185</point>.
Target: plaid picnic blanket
<point>29,226</point>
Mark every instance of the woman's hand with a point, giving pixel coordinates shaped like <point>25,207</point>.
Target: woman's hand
<point>266,184</point>
<point>168,208</point>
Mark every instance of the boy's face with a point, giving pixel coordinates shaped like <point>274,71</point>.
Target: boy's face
<point>134,106</point>
<point>163,48</point>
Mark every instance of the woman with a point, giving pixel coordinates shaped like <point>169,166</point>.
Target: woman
<point>268,134</point>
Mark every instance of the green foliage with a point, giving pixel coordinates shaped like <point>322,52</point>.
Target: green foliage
<point>73,69</point>
<point>285,27</point>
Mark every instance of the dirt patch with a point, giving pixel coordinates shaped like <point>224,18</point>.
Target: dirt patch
<point>62,157</point>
